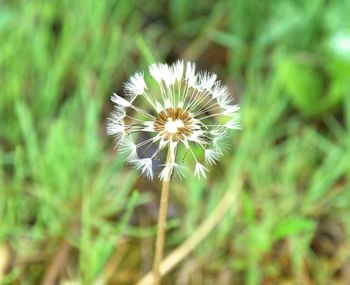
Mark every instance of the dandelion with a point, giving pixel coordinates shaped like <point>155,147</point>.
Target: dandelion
<point>171,114</point>
<point>187,109</point>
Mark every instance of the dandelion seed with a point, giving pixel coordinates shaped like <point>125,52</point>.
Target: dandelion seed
<point>135,86</point>
<point>188,110</point>
<point>212,155</point>
<point>145,166</point>
<point>200,170</point>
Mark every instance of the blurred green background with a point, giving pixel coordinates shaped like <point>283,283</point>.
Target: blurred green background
<point>72,212</point>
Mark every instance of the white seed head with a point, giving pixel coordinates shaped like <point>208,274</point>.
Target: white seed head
<point>183,112</point>
<point>178,69</point>
<point>173,126</point>
<point>234,123</point>
<point>145,166</point>
<point>191,77</point>
<point>136,85</point>
<point>119,101</point>
<point>212,155</point>
<point>206,80</point>
<point>128,148</point>
<point>230,109</point>
<point>166,172</point>
<point>200,170</point>
<point>155,70</point>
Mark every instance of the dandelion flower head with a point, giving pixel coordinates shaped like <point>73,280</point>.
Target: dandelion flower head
<point>177,115</point>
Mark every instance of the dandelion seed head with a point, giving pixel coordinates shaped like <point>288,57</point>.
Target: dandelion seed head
<point>135,86</point>
<point>200,170</point>
<point>188,112</point>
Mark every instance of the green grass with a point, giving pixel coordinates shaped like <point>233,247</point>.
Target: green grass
<point>62,183</point>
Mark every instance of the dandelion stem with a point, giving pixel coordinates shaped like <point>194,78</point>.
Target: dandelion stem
<point>203,230</point>
<point>163,210</point>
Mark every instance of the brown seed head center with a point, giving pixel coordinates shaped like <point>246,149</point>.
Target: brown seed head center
<point>173,124</point>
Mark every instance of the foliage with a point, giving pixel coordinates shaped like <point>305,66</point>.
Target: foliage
<point>60,182</point>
